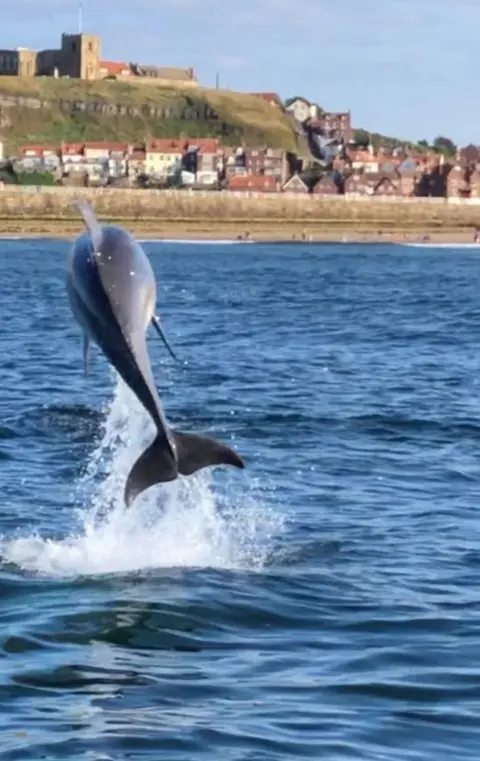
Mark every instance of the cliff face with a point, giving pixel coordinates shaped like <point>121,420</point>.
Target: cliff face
<point>43,109</point>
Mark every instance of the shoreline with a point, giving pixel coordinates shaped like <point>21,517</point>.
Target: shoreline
<point>202,216</point>
<point>277,233</point>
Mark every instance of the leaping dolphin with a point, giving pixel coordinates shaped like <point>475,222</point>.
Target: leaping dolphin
<point>112,293</point>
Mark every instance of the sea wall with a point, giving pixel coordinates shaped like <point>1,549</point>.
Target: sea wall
<point>224,207</point>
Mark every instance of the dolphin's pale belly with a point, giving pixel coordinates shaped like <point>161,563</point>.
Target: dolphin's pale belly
<point>128,280</point>
<point>110,312</point>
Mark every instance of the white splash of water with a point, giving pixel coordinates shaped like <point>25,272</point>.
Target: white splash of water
<point>186,523</point>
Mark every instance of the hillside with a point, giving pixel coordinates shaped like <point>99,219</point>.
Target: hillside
<point>42,110</point>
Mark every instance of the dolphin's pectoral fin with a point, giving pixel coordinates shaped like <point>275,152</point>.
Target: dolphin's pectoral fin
<point>158,327</point>
<point>195,452</point>
<point>86,352</point>
<point>157,464</point>
<point>154,466</point>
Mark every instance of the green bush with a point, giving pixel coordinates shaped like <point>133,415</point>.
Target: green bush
<point>35,178</point>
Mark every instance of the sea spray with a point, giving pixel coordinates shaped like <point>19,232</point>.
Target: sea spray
<point>192,522</point>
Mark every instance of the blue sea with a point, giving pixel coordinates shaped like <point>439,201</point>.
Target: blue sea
<point>322,604</point>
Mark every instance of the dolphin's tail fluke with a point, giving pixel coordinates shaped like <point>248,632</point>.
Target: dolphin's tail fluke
<point>154,466</point>
<point>195,452</point>
<point>157,465</point>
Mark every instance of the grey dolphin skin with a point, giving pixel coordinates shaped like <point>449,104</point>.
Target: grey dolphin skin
<point>112,293</point>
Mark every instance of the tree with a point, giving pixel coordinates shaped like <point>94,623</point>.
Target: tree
<point>362,137</point>
<point>444,145</point>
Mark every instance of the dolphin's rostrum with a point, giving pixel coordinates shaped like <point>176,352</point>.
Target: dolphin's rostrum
<point>112,293</point>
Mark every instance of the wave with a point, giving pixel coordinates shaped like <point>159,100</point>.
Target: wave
<point>77,421</point>
<point>265,424</point>
<point>396,424</point>
<point>441,245</point>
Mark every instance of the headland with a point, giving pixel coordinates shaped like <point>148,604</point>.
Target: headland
<point>44,111</point>
<point>221,163</point>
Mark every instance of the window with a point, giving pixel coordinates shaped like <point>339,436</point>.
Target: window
<point>90,47</point>
<point>74,47</point>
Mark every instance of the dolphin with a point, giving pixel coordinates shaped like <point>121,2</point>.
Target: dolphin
<point>111,289</point>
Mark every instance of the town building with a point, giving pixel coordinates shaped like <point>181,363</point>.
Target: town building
<point>295,185</point>
<point>458,182</point>
<point>79,57</point>
<point>334,124</point>
<point>301,109</point>
<point>251,183</point>
<point>271,98</point>
<point>366,160</point>
<point>326,186</point>
<point>371,184</point>
<point>18,63</point>
<point>163,157</point>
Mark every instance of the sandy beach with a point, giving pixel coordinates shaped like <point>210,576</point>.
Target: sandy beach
<point>277,233</point>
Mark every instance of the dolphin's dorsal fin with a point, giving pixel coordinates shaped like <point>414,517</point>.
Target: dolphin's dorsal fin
<point>91,222</point>
<point>86,351</point>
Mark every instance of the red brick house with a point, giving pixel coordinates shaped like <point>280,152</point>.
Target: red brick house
<point>255,161</point>
<point>113,69</point>
<point>470,154</point>
<point>269,97</point>
<point>408,173</point>
<point>387,186</point>
<point>253,183</point>
<point>338,124</point>
<point>457,182</point>
<point>474,183</point>
<point>372,184</point>
<point>325,187</point>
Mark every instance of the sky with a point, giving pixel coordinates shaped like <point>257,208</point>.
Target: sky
<point>405,68</point>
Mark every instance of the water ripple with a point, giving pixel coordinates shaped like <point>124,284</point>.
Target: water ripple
<point>322,604</point>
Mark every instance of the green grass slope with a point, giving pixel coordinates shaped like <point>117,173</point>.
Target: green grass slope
<point>230,115</point>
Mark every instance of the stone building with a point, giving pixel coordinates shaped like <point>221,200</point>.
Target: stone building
<point>18,63</point>
<point>79,57</point>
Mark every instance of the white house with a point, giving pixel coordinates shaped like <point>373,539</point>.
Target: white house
<point>299,107</point>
